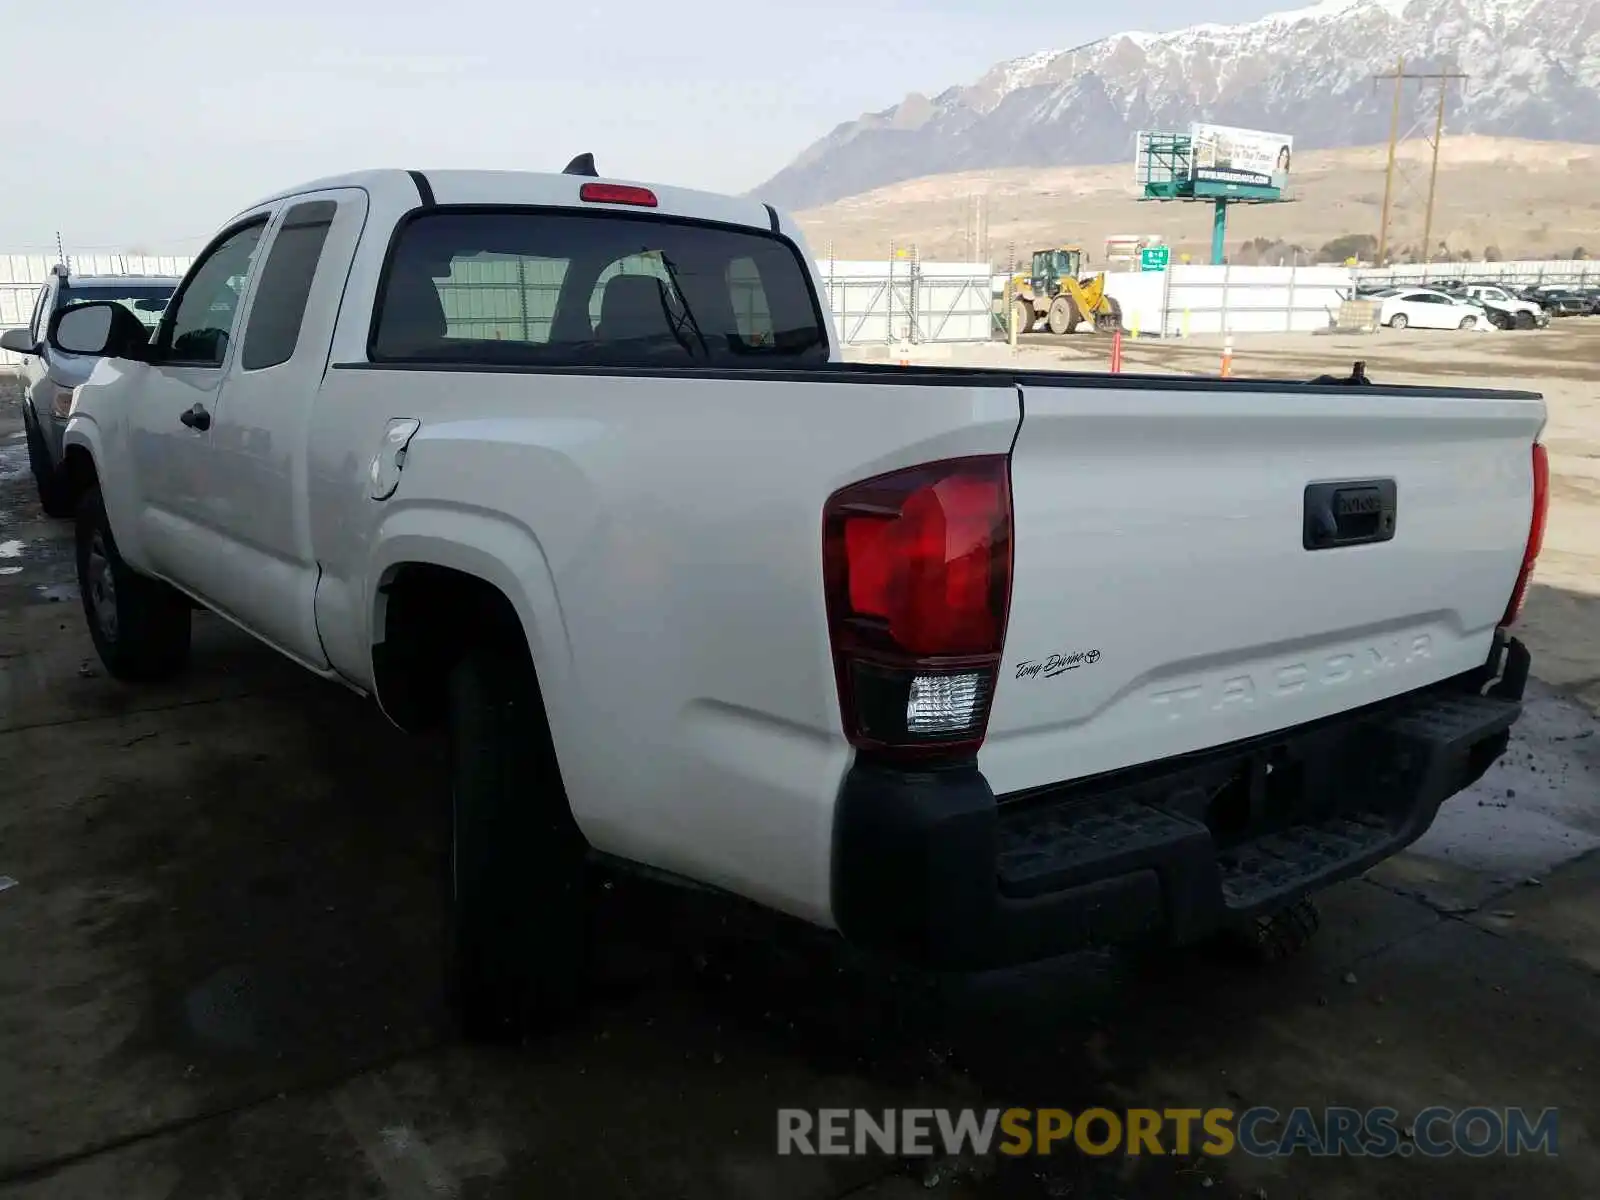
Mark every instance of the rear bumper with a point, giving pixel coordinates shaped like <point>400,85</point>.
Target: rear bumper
<point>930,868</point>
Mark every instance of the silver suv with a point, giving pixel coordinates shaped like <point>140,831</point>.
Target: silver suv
<point>47,377</point>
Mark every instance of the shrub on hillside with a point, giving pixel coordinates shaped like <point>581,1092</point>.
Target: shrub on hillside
<point>1352,245</point>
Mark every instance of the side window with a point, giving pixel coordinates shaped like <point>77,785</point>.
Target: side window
<point>279,308</point>
<point>202,319</point>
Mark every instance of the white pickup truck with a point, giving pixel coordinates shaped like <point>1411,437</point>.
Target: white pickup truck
<point>972,666</point>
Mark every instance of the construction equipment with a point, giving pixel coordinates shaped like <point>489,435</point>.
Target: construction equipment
<point>1054,290</point>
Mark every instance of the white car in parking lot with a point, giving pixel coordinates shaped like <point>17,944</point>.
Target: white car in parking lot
<point>1517,313</point>
<point>1426,308</point>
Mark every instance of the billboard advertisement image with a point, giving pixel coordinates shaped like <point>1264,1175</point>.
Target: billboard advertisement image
<point>1246,157</point>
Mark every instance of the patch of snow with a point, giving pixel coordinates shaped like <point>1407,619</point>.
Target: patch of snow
<point>11,549</point>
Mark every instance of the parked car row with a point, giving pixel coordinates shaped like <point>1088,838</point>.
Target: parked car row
<point>1555,300</point>
<point>47,377</point>
<point>1430,308</point>
<point>1571,302</point>
<point>1489,302</point>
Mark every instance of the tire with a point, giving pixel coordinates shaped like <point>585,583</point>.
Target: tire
<point>1525,320</point>
<point>1398,321</point>
<point>1468,323</point>
<point>1274,936</point>
<point>518,932</point>
<point>140,626</point>
<point>1023,316</point>
<point>1064,315</point>
<point>53,497</point>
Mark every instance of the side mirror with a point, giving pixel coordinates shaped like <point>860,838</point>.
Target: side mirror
<point>100,328</point>
<point>18,341</point>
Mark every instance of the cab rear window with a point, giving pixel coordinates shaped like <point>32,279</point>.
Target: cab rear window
<point>536,287</point>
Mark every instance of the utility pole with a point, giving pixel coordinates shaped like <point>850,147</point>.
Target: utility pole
<point>1433,175</point>
<point>1400,75</point>
<point>1388,175</point>
<point>1433,180</point>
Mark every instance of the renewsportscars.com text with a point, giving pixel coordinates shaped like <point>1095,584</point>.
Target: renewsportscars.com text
<point>1260,1132</point>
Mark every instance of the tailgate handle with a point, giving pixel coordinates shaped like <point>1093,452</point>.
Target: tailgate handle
<point>1349,513</point>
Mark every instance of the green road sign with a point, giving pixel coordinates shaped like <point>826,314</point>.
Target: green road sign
<point>1154,258</point>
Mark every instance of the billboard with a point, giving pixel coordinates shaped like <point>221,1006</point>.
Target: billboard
<point>1248,158</point>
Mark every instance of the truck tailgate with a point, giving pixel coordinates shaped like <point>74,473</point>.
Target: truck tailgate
<point>1164,599</point>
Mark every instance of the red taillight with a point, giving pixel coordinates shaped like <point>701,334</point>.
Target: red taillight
<point>616,193</point>
<point>1541,511</point>
<point>917,570</point>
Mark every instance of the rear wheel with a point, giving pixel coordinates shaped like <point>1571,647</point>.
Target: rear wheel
<point>139,625</point>
<point>1064,315</point>
<point>1398,321</point>
<point>518,931</point>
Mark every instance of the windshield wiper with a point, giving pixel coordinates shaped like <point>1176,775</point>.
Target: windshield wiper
<point>688,313</point>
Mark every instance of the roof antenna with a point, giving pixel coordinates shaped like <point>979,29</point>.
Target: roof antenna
<point>582,165</point>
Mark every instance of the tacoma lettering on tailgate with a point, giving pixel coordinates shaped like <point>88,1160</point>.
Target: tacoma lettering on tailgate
<point>1291,678</point>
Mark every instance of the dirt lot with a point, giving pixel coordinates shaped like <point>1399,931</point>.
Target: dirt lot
<point>1489,190</point>
<point>217,961</point>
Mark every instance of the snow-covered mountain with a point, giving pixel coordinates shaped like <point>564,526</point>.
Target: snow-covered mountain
<point>1534,68</point>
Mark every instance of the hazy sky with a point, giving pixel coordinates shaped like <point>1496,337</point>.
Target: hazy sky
<point>132,124</point>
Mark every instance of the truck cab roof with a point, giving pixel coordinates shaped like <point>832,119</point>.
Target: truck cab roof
<point>414,188</point>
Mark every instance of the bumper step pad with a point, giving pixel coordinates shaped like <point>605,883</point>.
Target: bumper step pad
<point>1429,750</point>
<point>1259,871</point>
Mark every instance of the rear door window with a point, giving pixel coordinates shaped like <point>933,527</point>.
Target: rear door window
<point>279,308</point>
<point>538,287</point>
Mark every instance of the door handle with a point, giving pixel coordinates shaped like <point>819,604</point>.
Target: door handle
<point>197,418</point>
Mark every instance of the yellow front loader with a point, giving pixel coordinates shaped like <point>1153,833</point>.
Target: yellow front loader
<point>1055,291</point>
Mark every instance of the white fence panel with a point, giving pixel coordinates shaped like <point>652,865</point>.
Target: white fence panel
<point>1207,299</point>
<point>1187,300</point>
<point>894,300</point>
<point>954,304</point>
<point>1142,295</point>
<point>1522,271</point>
